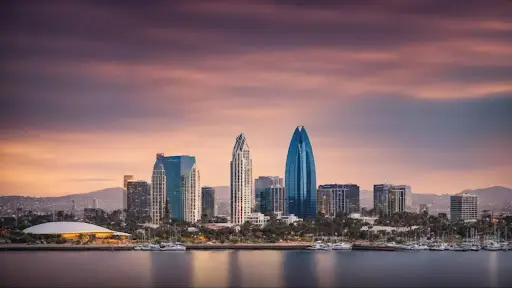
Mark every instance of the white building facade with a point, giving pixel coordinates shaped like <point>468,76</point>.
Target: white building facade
<point>241,181</point>
<point>191,195</point>
<point>158,195</point>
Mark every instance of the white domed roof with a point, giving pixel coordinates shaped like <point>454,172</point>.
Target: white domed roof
<point>66,227</point>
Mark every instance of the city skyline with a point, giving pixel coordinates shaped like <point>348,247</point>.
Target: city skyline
<point>390,93</point>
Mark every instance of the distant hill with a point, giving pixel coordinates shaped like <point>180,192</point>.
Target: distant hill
<point>109,199</point>
<point>492,198</point>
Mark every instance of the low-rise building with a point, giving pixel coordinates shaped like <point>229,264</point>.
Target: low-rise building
<point>258,219</point>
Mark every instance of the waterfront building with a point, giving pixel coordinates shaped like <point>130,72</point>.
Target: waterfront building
<point>261,183</point>
<point>358,216</point>
<point>300,176</point>
<point>273,200</point>
<point>334,198</point>
<point>288,219</point>
<point>423,208</point>
<point>389,199</point>
<point>183,192</point>
<point>463,207</point>
<point>158,192</point>
<point>138,198</point>
<point>126,178</point>
<point>72,230</point>
<point>258,219</point>
<point>241,181</point>
<point>208,202</point>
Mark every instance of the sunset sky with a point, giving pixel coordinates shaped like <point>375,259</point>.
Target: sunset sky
<point>407,92</point>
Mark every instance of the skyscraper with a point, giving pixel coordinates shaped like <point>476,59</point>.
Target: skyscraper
<point>334,198</point>
<point>241,181</point>
<point>389,199</point>
<point>261,183</point>
<point>463,207</point>
<point>208,202</point>
<point>183,190</point>
<point>95,203</point>
<point>300,176</point>
<point>138,196</point>
<point>273,200</point>
<point>158,192</point>
<point>126,178</point>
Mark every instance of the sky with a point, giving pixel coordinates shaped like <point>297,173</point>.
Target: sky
<point>404,92</point>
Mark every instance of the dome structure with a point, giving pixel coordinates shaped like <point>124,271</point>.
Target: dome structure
<point>69,229</point>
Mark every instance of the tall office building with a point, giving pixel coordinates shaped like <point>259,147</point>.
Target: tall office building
<point>334,198</point>
<point>463,207</point>
<point>389,199</point>
<point>138,198</point>
<point>95,203</point>
<point>241,181</point>
<point>261,184</point>
<point>183,190</point>
<point>208,202</point>
<point>126,178</point>
<point>300,176</point>
<point>158,192</point>
<point>273,200</point>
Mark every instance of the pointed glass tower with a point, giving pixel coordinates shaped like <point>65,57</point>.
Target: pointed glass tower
<point>300,176</point>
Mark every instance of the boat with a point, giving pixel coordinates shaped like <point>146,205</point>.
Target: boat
<point>492,246</point>
<point>439,247</point>
<point>418,247</point>
<point>319,246</point>
<point>475,247</point>
<point>461,248</point>
<point>170,246</point>
<point>341,246</point>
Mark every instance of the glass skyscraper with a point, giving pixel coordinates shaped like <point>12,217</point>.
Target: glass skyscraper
<point>300,176</point>
<point>182,187</point>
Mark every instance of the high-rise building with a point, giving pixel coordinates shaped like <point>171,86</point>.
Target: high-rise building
<point>241,181</point>
<point>158,192</point>
<point>273,200</point>
<point>300,176</point>
<point>183,190</point>
<point>463,207</point>
<point>262,183</point>
<point>126,178</point>
<point>389,199</point>
<point>138,198</point>
<point>423,208</point>
<point>208,202</point>
<point>95,203</point>
<point>334,198</point>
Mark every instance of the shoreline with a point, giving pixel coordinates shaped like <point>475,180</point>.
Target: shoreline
<point>129,247</point>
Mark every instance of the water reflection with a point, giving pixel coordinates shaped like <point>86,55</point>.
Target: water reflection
<point>210,268</point>
<point>170,268</point>
<point>299,269</point>
<point>255,269</point>
<point>258,268</point>
<point>325,268</point>
<point>493,269</point>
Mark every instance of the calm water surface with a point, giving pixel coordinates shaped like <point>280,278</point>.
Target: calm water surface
<point>256,269</point>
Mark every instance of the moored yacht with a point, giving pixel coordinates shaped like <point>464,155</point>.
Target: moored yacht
<point>439,247</point>
<point>342,246</point>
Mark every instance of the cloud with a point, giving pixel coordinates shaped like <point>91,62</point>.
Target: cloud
<point>95,89</point>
